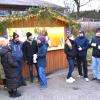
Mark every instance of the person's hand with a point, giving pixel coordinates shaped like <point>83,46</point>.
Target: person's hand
<point>99,47</point>
<point>26,61</point>
<point>80,49</point>
<point>93,44</point>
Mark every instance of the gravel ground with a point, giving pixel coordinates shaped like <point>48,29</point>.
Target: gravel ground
<point>58,89</point>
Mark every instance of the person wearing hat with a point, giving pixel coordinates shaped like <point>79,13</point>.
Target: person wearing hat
<point>82,44</point>
<point>30,50</point>
<point>70,51</point>
<point>41,60</point>
<point>11,68</point>
<point>95,44</point>
<point>16,47</point>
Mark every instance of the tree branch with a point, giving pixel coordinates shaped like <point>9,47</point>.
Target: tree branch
<point>77,2</point>
<point>85,3</point>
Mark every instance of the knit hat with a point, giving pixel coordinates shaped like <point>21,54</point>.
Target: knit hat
<point>15,35</point>
<point>98,29</point>
<point>81,31</point>
<point>28,34</point>
<point>41,38</point>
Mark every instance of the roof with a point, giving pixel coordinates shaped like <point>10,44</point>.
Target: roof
<point>28,3</point>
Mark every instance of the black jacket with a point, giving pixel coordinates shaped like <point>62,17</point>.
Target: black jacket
<point>70,52</point>
<point>28,50</point>
<point>83,42</point>
<point>96,51</point>
<point>11,69</point>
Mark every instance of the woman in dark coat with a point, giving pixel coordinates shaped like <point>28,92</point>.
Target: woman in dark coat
<point>11,69</point>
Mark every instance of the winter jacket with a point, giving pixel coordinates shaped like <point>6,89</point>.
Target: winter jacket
<point>71,53</point>
<point>16,48</point>
<point>82,42</point>
<point>11,69</point>
<point>41,55</point>
<point>29,48</point>
<point>96,50</point>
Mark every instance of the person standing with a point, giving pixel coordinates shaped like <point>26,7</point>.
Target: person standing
<point>41,60</point>
<point>70,51</point>
<point>95,44</point>
<point>16,47</point>
<point>82,44</point>
<point>30,49</point>
<point>11,69</point>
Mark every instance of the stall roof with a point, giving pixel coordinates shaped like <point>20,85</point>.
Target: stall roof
<point>28,3</point>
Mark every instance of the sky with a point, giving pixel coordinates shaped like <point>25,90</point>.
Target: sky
<point>94,4</point>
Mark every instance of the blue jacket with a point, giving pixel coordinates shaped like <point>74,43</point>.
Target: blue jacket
<point>82,42</point>
<point>41,55</point>
<point>16,48</point>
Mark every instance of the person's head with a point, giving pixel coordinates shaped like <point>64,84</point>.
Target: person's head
<point>81,33</point>
<point>44,33</point>
<point>71,37</point>
<point>29,36</point>
<point>98,30</point>
<point>4,42</point>
<point>40,39</point>
<point>15,37</point>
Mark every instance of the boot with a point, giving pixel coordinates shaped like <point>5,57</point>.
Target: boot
<point>14,93</point>
<point>24,83</point>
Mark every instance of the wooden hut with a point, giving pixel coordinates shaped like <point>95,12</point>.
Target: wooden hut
<point>56,59</point>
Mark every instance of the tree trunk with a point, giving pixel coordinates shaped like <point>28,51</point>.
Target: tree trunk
<point>78,11</point>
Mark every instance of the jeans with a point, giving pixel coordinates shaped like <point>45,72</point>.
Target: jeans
<point>31,72</point>
<point>42,76</point>
<point>96,67</point>
<point>82,62</point>
<point>71,67</point>
<point>20,64</point>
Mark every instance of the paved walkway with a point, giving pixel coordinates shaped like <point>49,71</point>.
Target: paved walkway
<point>58,89</point>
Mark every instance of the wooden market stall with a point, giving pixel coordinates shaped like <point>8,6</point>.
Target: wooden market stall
<point>56,59</point>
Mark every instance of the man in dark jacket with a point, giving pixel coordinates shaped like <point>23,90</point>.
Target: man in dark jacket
<point>95,44</point>
<point>70,51</point>
<point>11,69</point>
<point>29,49</point>
<point>82,44</point>
<point>16,47</point>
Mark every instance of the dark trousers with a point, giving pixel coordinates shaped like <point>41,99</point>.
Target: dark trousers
<point>71,67</point>
<point>31,72</point>
<point>20,63</point>
<point>82,64</point>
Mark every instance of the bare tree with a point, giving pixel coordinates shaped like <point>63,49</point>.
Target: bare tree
<point>79,5</point>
